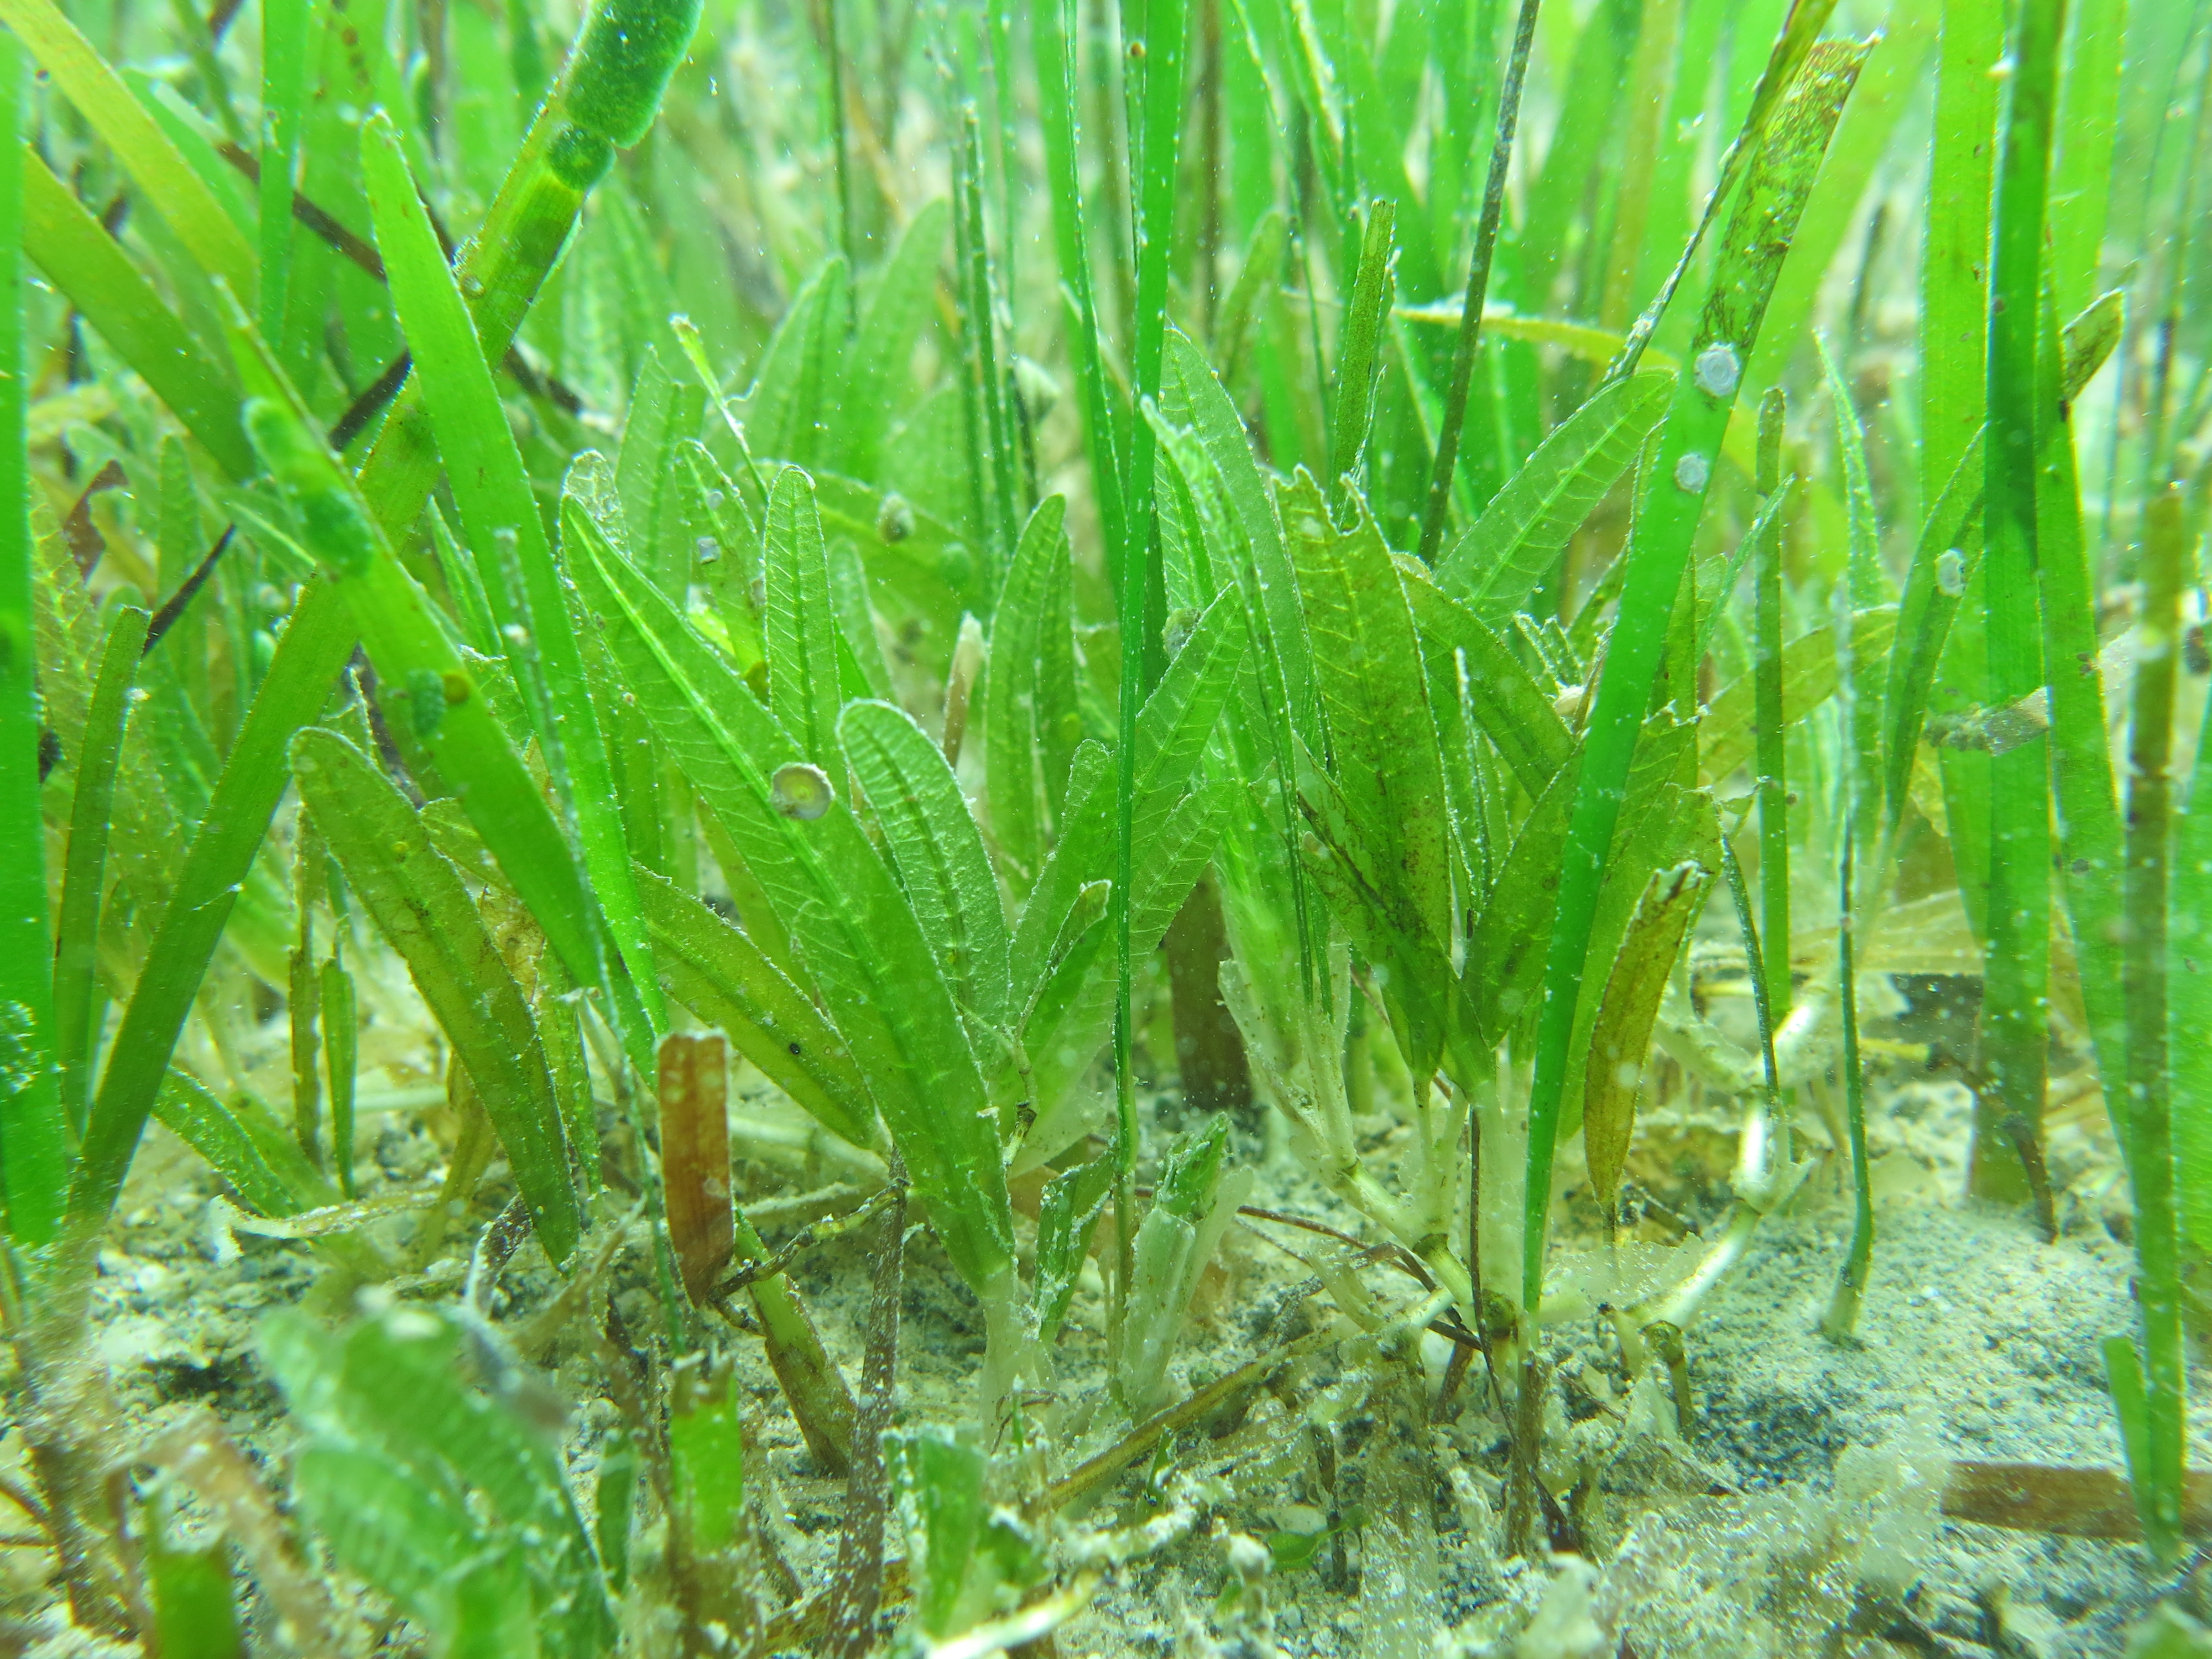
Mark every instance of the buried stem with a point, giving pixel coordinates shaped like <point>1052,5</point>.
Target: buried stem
<point>1843,1313</point>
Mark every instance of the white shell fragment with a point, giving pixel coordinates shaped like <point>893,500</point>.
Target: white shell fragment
<point>1692,473</point>
<point>1719,369</point>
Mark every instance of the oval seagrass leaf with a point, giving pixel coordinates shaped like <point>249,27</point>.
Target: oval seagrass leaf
<point>388,1390</point>
<point>422,908</point>
<point>939,854</point>
<point>1511,707</point>
<point>263,1164</point>
<point>1659,827</point>
<point>590,481</point>
<point>861,669</point>
<point>1072,1013</point>
<point>399,1535</point>
<point>1034,599</point>
<point>721,524</point>
<point>1623,1032</point>
<point>719,974</point>
<point>1375,702</point>
<point>852,928</point>
<point>1425,997</point>
<point>781,410</point>
<point>1263,568</point>
<point>1506,551</point>
<point>1040,928</point>
<point>664,411</point>
<point>916,555</point>
<point>799,623</point>
<point>1505,955</point>
<point>1172,730</point>
<point>1810,678</point>
<point>1067,1215</point>
<point>878,365</point>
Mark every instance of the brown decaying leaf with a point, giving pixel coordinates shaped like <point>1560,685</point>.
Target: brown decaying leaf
<point>694,1157</point>
<point>2079,1503</point>
<point>1623,1032</point>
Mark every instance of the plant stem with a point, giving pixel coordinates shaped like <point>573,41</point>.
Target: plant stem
<point>1477,286</point>
<point>2158,1468</point>
<point>1773,746</point>
<point>1139,596</point>
<point>1850,1287</point>
<point>1765,1157</point>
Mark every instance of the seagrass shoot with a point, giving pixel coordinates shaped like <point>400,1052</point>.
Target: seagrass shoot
<point>1244,827</point>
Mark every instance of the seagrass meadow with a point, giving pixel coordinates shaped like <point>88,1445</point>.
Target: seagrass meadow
<point>1218,828</point>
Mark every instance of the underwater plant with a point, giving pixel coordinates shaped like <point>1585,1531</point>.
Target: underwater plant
<point>949,829</point>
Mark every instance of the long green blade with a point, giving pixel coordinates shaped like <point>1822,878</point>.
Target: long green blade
<point>154,163</point>
<point>314,648</point>
<point>76,930</point>
<point>492,489</point>
<point>33,1130</point>
<point>2015,1038</point>
<point>82,260</point>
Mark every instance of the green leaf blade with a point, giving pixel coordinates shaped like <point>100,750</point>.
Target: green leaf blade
<point>939,854</point>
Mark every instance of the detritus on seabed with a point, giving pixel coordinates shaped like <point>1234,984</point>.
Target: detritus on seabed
<point>1799,1517</point>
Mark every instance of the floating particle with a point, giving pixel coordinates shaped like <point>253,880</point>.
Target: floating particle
<point>895,519</point>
